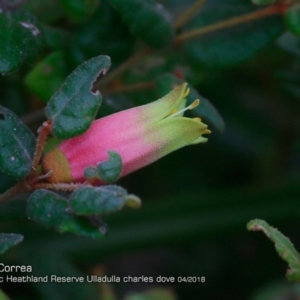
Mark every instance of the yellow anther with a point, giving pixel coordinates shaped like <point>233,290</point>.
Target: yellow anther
<point>194,104</point>
<point>180,112</point>
<point>207,131</point>
<point>187,91</point>
<point>197,119</point>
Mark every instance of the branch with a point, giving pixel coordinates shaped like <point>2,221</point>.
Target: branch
<point>43,133</point>
<point>123,67</point>
<point>129,88</point>
<point>269,11</point>
<point>189,13</point>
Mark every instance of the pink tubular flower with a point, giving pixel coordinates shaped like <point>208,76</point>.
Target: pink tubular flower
<point>141,135</point>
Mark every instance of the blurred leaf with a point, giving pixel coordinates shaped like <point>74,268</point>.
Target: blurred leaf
<point>104,25</point>
<point>263,2</point>
<point>56,38</point>
<point>47,11</point>
<point>61,267</point>
<point>153,294</point>
<point>19,37</point>
<point>14,210</point>
<point>17,145</point>
<point>51,210</point>
<point>205,110</point>
<point>100,200</point>
<point>79,10</point>
<point>290,43</point>
<point>8,240</point>
<point>230,46</point>
<point>47,76</point>
<point>107,171</point>
<point>292,19</point>
<point>3,296</point>
<point>147,20</point>
<point>283,246</point>
<point>277,290</point>
<point>74,106</point>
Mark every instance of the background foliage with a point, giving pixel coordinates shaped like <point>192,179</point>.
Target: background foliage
<point>242,60</point>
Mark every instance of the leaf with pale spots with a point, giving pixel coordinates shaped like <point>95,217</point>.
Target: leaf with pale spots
<point>110,170</point>
<point>73,107</point>
<point>17,144</point>
<point>107,171</point>
<point>8,240</point>
<point>20,40</point>
<point>51,210</point>
<point>100,200</point>
<point>283,246</point>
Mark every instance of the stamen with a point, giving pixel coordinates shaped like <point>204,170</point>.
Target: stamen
<point>197,119</point>
<point>207,131</point>
<point>194,104</point>
<point>191,106</point>
<point>187,91</point>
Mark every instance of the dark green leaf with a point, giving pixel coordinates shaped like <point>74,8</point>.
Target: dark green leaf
<point>263,2</point>
<point>51,210</point>
<point>17,145</point>
<point>56,38</point>
<point>47,11</point>
<point>19,38</point>
<point>153,294</point>
<point>47,76</point>
<point>79,10</point>
<point>74,106</point>
<point>283,246</point>
<point>14,210</point>
<point>227,47</point>
<point>205,110</point>
<point>110,170</point>
<point>147,20</point>
<point>3,296</point>
<point>290,43</point>
<point>104,25</point>
<point>99,200</point>
<point>8,240</point>
<point>292,19</point>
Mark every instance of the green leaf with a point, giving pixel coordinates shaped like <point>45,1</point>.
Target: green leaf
<point>283,246</point>
<point>8,240</point>
<point>263,2</point>
<point>104,25</point>
<point>205,110</point>
<point>17,145</point>
<point>3,296</point>
<point>14,210</point>
<point>292,19</point>
<point>153,294</point>
<point>79,10</point>
<point>56,38</point>
<point>147,20</point>
<point>110,170</point>
<point>51,210</point>
<point>19,38</point>
<point>289,43</point>
<point>47,76</point>
<point>100,200</point>
<point>74,106</point>
<point>226,47</point>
